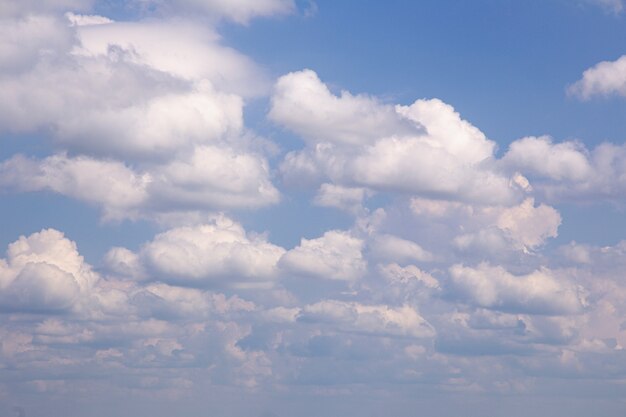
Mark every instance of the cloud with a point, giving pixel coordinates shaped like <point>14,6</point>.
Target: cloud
<point>397,274</point>
<point>568,170</point>
<point>107,183</point>
<point>43,273</point>
<point>540,156</point>
<point>181,48</point>
<point>373,319</point>
<point>24,40</point>
<point>305,105</point>
<point>539,292</point>
<point>529,225</point>
<point>240,11</point>
<point>425,148</point>
<point>343,198</point>
<point>212,178</point>
<point>334,256</point>
<point>202,254</point>
<point>393,248</point>
<point>603,79</point>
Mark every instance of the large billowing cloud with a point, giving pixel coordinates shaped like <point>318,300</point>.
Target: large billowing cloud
<point>208,252</point>
<point>423,148</point>
<point>155,109</point>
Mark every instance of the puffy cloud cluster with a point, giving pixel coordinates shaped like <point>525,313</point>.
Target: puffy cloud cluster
<point>568,170</point>
<point>211,251</point>
<point>425,148</point>
<point>153,110</point>
<point>44,272</point>
<point>334,256</point>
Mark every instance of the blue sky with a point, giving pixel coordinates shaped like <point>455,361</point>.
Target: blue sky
<point>312,208</point>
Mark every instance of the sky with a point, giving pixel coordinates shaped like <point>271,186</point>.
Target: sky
<point>312,208</point>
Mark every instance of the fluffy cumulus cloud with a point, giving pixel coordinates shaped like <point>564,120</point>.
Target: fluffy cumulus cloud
<point>424,148</point>
<point>203,253</point>
<point>603,79</point>
<point>569,170</point>
<point>211,178</point>
<point>44,272</point>
<point>334,256</point>
<point>152,114</point>
<point>538,292</point>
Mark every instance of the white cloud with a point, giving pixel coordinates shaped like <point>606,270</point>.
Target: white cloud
<point>334,256</point>
<point>183,49</point>
<point>393,248</point>
<point>539,292</point>
<point>44,272</point>
<point>302,103</point>
<point>23,41</point>
<point>529,225</point>
<point>603,79</point>
<point>493,230</point>
<point>538,155</point>
<point>343,198</point>
<point>221,251</point>
<point>86,19</point>
<point>397,274</point>
<point>212,178</point>
<point>240,11</point>
<point>424,148</point>
<point>568,170</point>
<point>114,186</point>
<point>373,319</point>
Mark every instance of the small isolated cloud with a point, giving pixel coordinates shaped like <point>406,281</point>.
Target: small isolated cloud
<point>604,79</point>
